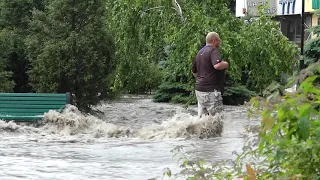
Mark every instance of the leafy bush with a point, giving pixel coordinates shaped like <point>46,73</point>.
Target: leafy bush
<point>237,95</point>
<point>312,50</point>
<point>137,76</point>
<point>234,94</point>
<point>14,19</point>
<point>6,45</point>
<point>167,92</point>
<point>290,132</point>
<point>197,169</point>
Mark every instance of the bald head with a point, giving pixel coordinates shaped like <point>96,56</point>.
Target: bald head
<point>211,36</point>
<point>213,39</point>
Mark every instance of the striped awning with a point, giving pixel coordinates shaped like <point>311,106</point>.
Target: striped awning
<point>315,4</point>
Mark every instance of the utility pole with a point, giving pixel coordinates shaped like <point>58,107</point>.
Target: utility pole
<point>302,37</point>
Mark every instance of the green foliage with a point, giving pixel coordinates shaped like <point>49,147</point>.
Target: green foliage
<point>267,52</point>
<point>188,37</point>
<point>71,50</point>
<point>17,13</point>
<point>168,91</point>
<point>235,92</point>
<point>14,19</point>
<point>197,169</point>
<point>138,27</point>
<point>152,32</point>
<point>6,85</point>
<point>246,46</point>
<point>312,46</point>
<point>290,132</point>
<point>137,76</point>
<point>237,95</point>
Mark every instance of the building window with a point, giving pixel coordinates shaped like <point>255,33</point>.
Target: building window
<point>291,27</point>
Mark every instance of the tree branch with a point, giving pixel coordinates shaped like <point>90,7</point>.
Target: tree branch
<point>178,9</point>
<point>153,8</point>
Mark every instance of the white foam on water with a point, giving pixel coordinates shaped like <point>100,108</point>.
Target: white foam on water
<point>185,125</point>
<point>72,124</point>
<point>11,126</point>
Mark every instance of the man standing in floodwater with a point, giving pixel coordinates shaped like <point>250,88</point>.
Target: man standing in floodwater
<point>209,71</point>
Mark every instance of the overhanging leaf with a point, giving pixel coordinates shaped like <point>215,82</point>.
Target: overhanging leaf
<point>304,122</point>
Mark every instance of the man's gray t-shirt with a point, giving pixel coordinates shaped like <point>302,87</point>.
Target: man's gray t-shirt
<point>208,78</point>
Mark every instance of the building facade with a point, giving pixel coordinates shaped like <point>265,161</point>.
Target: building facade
<point>287,12</point>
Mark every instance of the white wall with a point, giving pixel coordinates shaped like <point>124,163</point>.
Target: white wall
<point>239,5</point>
<point>297,7</point>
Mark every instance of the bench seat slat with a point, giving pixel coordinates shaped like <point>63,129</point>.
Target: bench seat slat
<point>31,95</point>
<point>10,103</point>
<point>13,110</point>
<point>32,98</point>
<point>21,118</point>
<point>24,106</point>
<point>3,114</point>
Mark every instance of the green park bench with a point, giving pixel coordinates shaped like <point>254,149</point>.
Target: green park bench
<point>30,106</point>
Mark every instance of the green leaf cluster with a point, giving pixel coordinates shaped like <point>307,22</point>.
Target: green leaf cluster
<point>6,84</point>
<point>312,46</point>
<point>139,29</point>
<point>290,130</point>
<point>14,22</point>
<point>71,50</point>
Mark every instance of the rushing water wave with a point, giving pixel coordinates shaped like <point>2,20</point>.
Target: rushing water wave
<point>72,122</point>
<point>132,139</point>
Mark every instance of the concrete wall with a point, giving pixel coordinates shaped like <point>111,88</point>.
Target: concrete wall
<point>308,6</point>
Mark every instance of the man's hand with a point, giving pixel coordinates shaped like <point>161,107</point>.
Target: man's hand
<point>194,74</point>
<point>222,65</point>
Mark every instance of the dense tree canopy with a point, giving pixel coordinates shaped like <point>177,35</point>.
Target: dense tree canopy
<point>247,46</point>
<point>14,19</point>
<point>6,84</point>
<point>95,47</point>
<point>70,49</point>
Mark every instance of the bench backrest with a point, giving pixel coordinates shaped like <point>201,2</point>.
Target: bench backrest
<point>30,106</point>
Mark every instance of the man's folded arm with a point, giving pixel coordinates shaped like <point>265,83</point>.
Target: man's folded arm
<point>221,65</point>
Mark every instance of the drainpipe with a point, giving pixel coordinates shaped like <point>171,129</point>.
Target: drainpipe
<point>302,37</point>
